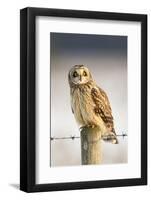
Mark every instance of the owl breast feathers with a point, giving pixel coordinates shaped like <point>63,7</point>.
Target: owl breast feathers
<point>89,103</point>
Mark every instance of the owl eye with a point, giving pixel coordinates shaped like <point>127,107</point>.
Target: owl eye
<point>84,73</point>
<point>75,74</point>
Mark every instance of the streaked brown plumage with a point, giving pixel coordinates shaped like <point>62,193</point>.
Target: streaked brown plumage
<point>90,103</point>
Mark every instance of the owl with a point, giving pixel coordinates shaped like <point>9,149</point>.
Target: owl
<point>89,103</point>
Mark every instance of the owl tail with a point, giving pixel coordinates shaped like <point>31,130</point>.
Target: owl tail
<point>114,140</point>
<point>111,137</point>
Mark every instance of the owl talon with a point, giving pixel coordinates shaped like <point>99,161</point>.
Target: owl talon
<point>90,126</point>
<point>82,127</point>
<point>87,126</point>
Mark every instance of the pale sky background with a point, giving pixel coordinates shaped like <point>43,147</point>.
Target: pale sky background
<point>106,57</point>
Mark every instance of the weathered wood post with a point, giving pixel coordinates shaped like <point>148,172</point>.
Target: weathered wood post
<point>90,146</point>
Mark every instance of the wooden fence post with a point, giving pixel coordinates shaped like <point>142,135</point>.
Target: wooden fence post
<point>91,146</point>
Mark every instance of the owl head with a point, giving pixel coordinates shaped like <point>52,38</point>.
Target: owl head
<point>79,74</point>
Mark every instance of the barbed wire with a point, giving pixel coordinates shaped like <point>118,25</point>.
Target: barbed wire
<point>72,137</point>
<point>65,137</point>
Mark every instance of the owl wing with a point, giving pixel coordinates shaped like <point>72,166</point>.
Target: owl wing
<point>102,107</point>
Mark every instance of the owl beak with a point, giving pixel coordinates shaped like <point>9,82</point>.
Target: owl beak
<point>80,78</point>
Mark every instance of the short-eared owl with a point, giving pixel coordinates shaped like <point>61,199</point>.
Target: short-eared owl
<point>90,103</point>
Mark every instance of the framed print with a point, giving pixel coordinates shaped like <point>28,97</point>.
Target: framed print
<point>83,99</point>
